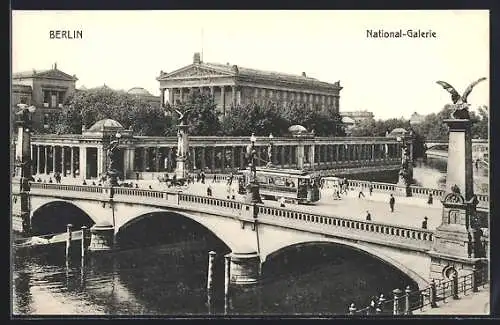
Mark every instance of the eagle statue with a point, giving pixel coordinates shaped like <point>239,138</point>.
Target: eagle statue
<point>460,102</point>
<point>182,115</point>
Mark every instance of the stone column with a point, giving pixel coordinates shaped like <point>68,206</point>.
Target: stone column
<point>223,99</point>
<point>212,91</point>
<point>300,156</point>
<point>46,160</point>
<point>38,161</point>
<point>171,96</point>
<point>162,97</point>
<point>63,167</point>
<point>53,159</point>
<point>193,158</point>
<point>72,160</point>
<point>312,155</point>
<point>233,95</point>
<point>282,153</point>
<point>238,96</point>
<point>145,159</point>
<point>242,157</point>
<point>131,166</point>
<point>101,161</point>
<point>181,95</point>
<point>83,162</point>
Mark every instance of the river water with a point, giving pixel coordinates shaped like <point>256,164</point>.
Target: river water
<point>170,279</point>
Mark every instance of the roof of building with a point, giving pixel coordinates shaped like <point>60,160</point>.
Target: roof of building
<point>239,71</point>
<point>104,124</point>
<point>139,91</point>
<point>398,131</point>
<point>53,73</point>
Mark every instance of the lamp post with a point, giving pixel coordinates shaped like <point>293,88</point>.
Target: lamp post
<point>405,173</point>
<point>270,151</point>
<point>253,195</point>
<point>23,161</point>
<point>113,151</point>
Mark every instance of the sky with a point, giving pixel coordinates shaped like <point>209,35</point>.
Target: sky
<point>389,77</point>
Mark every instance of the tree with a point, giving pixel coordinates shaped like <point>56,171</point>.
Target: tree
<point>203,118</point>
<point>480,129</point>
<point>87,107</point>
<point>254,118</point>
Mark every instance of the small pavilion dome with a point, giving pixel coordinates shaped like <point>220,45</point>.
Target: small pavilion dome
<point>105,125</point>
<point>138,91</point>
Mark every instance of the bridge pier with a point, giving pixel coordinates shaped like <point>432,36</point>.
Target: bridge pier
<point>245,268</point>
<point>102,237</point>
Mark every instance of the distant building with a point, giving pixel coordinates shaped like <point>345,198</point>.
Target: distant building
<point>416,118</point>
<point>232,85</point>
<point>358,116</point>
<point>47,90</point>
<point>155,101</point>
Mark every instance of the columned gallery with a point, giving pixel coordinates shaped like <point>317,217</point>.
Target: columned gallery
<point>84,155</point>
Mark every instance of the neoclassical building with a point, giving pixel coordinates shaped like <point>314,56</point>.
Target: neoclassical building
<point>47,90</point>
<point>84,155</point>
<point>232,85</point>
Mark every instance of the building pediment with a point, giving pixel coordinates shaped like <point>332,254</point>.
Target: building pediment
<point>55,74</point>
<point>194,71</point>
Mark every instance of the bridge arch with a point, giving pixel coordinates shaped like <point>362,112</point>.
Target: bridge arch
<point>226,235</point>
<point>373,252</point>
<point>53,217</point>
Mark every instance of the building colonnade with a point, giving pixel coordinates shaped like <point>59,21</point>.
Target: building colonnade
<point>216,158</point>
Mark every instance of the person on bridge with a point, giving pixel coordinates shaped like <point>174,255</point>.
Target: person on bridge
<point>209,191</point>
<point>370,188</point>
<point>368,216</point>
<point>430,199</point>
<point>424,223</point>
<point>282,202</point>
<point>361,194</point>
<point>392,201</point>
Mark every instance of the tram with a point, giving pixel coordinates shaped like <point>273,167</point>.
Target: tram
<point>295,186</point>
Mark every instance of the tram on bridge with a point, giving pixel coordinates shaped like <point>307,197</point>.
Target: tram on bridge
<point>297,186</point>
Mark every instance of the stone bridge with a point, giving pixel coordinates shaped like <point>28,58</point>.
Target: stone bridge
<point>253,233</point>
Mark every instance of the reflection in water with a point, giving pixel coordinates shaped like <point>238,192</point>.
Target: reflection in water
<point>157,281</point>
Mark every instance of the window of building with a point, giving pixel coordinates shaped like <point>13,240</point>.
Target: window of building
<point>46,96</point>
<point>24,100</point>
<point>60,98</point>
<point>46,120</point>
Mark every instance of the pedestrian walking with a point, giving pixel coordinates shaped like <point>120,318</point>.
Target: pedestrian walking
<point>370,188</point>
<point>202,177</point>
<point>209,191</point>
<point>361,194</point>
<point>392,201</point>
<point>424,223</point>
<point>430,199</point>
<point>368,216</point>
<point>282,202</point>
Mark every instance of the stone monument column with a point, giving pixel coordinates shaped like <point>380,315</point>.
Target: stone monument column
<point>457,247</point>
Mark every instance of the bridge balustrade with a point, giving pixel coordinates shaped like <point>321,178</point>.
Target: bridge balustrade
<point>67,187</point>
<point>205,200</point>
<point>406,233</point>
<point>140,192</point>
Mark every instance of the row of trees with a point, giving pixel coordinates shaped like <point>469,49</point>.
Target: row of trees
<point>87,107</point>
<point>432,126</point>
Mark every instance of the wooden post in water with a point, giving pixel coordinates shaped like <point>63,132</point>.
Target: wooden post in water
<point>210,276</point>
<point>68,240</point>
<point>83,246</point>
<point>227,277</point>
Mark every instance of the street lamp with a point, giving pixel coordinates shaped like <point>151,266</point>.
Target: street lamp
<point>23,161</point>
<point>270,151</point>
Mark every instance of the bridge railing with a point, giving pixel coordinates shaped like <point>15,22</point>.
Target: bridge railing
<point>140,192</point>
<point>417,235</point>
<point>412,300</point>
<point>207,200</point>
<point>68,187</point>
<point>417,191</point>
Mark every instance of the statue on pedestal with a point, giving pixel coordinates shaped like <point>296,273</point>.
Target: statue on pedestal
<point>112,152</point>
<point>460,104</point>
